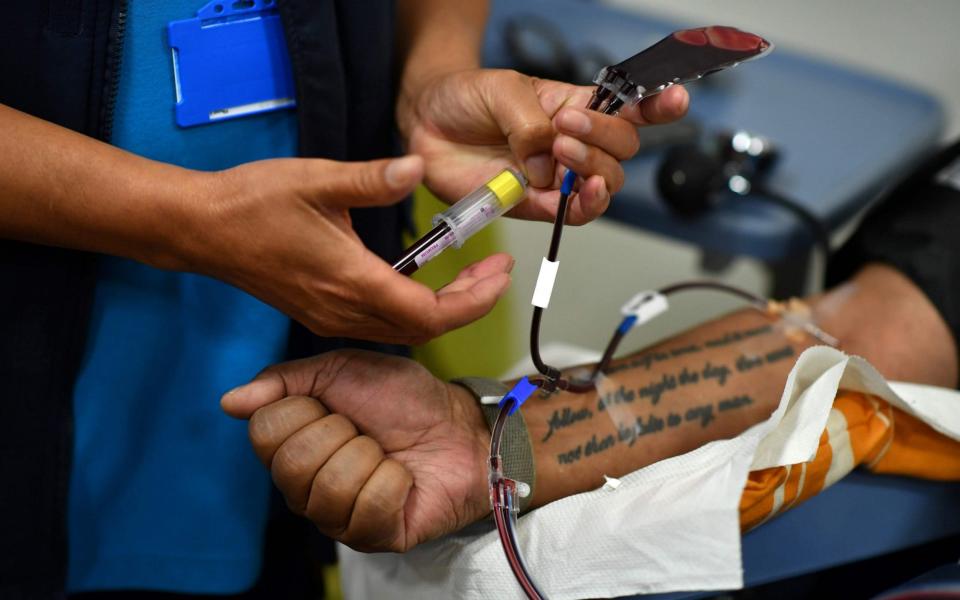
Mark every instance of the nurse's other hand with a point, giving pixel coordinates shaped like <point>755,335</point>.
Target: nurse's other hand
<point>377,452</point>
<point>281,230</point>
<point>470,124</point>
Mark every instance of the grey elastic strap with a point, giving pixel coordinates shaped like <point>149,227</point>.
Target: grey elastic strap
<point>516,449</point>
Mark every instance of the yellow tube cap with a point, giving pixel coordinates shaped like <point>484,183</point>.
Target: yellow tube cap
<point>508,188</point>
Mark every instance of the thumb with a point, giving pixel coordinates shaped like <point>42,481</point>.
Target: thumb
<point>244,400</point>
<point>304,377</point>
<point>516,109</point>
<point>370,183</point>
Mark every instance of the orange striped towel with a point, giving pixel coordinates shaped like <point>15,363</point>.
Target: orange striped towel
<point>862,430</point>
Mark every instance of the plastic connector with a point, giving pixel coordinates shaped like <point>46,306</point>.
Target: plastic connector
<point>522,390</point>
<point>495,481</point>
<point>566,186</point>
<point>627,324</point>
<point>504,492</point>
<point>617,83</point>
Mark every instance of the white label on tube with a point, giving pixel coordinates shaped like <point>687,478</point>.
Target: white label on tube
<point>548,274</point>
<point>645,306</point>
<point>434,249</point>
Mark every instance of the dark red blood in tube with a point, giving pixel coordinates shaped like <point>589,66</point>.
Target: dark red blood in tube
<point>730,38</point>
<point>694,37</point>
<point>726,38</point>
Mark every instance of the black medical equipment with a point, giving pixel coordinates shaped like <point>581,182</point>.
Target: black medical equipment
<point>694,177</point>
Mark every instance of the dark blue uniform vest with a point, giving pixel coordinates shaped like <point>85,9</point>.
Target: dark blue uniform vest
<point>59,61</point>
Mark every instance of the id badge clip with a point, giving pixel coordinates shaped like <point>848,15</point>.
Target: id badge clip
<point>229,61</point>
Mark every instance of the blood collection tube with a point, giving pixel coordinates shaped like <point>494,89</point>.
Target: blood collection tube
<point>467,216</point>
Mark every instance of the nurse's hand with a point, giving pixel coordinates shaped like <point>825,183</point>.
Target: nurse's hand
<point>470,124</point>
<point>280,230</point>
<point>377,452</point>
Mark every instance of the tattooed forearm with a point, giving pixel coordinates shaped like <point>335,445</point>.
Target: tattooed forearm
<point>649,358</point>
<point>621,395</point>
<point>565,418</point>
<point>732,337</point>
<point>746,363</point>
<point>655,390</point>
<point>702,414</point>
<point>718,372</point>
<point>780,354</point>
<point>712,371</point>
<point>692,348</point>
<point>734,403</point>
<point>710,383</point>
<point>628,433</point>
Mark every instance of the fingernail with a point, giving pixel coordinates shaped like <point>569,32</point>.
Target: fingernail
<point>539,170</point>
<point>512,264</point>
<point>227,400</point>
<point>574,121</point>
<point>403,171</point>
<point>573,149</point>
<point>252,389</point>
<point>681,91</point>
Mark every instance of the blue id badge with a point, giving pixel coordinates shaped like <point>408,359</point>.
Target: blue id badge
<point>229,61</point>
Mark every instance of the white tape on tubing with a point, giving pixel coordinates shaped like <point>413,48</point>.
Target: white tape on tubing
<point>548,275</point>
<point>645,306</point>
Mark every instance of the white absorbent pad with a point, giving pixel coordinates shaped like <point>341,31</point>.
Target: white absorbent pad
<point>673,525</point>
